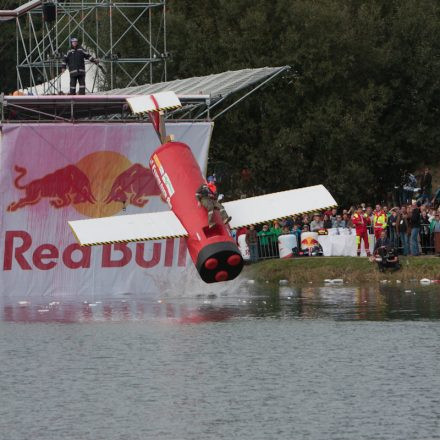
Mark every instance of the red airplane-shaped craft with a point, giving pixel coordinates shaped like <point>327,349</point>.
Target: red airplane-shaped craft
<point>178,175</point>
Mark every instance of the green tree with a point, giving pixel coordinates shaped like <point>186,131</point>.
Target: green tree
<point>8,79</point>
<point>360,105</point>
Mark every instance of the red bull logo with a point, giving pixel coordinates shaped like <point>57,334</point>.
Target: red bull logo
<point>100,184</point>
<point>134,186</point>
<point>309,242</point>
<point>62,187</point>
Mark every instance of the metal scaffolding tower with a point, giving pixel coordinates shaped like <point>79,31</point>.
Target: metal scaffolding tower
<point>129,39</point>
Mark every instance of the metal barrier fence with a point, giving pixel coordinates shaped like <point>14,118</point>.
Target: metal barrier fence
<point>267,246</point>
<point>426,240</point>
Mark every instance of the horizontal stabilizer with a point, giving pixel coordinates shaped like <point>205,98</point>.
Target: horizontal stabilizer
<point>124,228</point>
<point>276,206</point>
<point>154,103</point>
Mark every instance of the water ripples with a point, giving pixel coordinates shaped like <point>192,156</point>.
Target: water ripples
<point>329,362</point>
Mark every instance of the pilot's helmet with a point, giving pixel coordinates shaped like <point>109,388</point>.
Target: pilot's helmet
<point>211,179</point>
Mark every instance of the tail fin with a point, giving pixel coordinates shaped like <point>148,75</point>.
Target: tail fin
<point>154,103</point>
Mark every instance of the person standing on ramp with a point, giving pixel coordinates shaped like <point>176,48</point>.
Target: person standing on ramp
<point>207,196</point>
<point>74,60</point>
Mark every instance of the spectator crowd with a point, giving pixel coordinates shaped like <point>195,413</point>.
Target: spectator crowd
<point>412,228</point>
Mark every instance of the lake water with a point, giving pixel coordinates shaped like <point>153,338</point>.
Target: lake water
<point>330,362</point>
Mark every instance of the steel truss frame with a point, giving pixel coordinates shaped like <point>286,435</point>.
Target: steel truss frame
<point>112,105</point>
<point>40,44</point>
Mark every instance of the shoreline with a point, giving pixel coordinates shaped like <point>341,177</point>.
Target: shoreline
<point>350,269</point>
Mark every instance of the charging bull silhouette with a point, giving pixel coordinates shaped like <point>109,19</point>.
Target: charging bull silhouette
<point>133,186</point>
<point>62,187</point>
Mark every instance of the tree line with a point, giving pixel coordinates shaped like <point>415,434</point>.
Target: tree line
<point>359,106</point>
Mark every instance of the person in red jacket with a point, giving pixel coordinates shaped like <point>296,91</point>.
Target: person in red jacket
<point>211,184</point>
<point>207,197</point>
<point>361,222</point>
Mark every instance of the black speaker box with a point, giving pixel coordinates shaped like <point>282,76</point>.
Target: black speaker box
<point>49,12</point>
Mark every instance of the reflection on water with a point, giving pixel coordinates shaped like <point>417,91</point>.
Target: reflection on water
<point>266,362</point>
<point>357,303</point>
<point>377,302</point>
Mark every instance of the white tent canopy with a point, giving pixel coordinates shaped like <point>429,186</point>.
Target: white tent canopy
<point>61,83</point>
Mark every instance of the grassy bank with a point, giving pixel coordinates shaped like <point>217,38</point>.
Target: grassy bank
<point>351,269</point>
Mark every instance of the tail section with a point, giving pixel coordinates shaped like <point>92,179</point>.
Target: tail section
<point>154,103</point>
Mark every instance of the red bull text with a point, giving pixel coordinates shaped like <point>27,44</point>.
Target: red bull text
<point>21,252</point>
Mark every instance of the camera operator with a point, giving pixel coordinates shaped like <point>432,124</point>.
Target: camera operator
<point>385,256</point>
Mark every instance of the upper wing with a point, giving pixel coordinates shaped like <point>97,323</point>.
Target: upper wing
<point>275,206</point>
<point>123,228</point>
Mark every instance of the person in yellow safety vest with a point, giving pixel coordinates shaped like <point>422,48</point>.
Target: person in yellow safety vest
<point>379,221</point>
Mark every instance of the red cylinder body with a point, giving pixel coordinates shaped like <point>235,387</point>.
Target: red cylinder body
<point>213,250</point>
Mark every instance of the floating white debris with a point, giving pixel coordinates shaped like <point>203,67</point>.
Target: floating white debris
<point>384,281</point>
<point>159,301</point>
<point>23,303</point>
<point>42,310</point>
<point>54,303</point>
<point>334,281</point>
<point>267,282</point>
<point>285,291</point>
<point>425,281</point>
<point>284,282</point>
<point>398,281</point>
<point>251,281</point>
<point>408,291</point>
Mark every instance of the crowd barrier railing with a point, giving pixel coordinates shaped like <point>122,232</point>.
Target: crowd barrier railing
<point>268,247</point>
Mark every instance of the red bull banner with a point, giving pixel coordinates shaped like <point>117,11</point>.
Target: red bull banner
<point>52,173</point>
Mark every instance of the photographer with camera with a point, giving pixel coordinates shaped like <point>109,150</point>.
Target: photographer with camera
<point>384,255</point>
